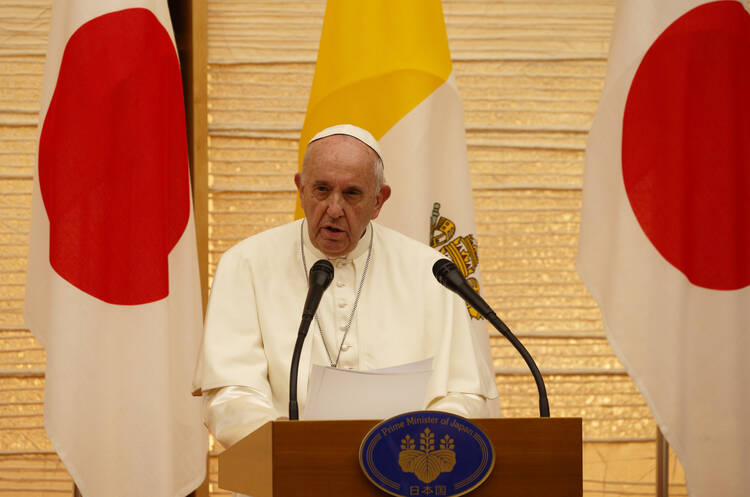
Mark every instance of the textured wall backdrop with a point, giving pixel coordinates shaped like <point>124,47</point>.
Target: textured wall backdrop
<point>530,74</point>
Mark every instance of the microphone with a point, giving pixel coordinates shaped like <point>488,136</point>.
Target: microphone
<point>321,275</point>
<point>448,275</point>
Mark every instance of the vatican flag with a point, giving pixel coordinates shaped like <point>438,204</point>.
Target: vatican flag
<point>385,66</point>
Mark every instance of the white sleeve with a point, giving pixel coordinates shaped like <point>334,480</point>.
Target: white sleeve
<point>231,413</point>
<point>468,405</point>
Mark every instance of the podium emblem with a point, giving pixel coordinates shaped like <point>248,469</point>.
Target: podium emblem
<point>426,453</point>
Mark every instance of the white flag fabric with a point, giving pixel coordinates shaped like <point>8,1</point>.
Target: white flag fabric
<point>113,290</point>
<point>665,228</point>
<point>385,66</point>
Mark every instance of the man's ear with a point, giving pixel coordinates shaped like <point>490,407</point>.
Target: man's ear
<point>383,195</point>
<point>298,181</point>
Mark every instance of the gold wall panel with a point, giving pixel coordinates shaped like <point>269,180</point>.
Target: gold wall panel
<point>28,466</point>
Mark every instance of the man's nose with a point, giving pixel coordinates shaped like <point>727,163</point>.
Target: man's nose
<point>334,208</point>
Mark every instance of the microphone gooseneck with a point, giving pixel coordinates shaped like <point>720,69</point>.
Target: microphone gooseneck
<point>448,275</point>
<point>321,275</point>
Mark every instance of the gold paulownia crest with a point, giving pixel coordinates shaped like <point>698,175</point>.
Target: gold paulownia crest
<point>461,249</point>
<point>427,463</point>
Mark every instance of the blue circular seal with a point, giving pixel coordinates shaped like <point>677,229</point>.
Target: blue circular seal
<point>426,453</point>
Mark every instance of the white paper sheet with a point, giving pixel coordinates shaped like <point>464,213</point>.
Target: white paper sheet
<point>378,394</point>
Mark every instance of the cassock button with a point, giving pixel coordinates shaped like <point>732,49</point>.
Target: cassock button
<point>342,327</point>
<point>346,347</point>
<point>339,284</point>
<point>342,303</point>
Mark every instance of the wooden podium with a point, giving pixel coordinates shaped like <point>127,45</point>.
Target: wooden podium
<point>533,457</point>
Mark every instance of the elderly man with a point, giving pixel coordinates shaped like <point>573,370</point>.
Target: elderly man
<point>382,309</point>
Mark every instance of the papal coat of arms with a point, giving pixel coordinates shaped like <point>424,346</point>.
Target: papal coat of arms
<point>461,249</point>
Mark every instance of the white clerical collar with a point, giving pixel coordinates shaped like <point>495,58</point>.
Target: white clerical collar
<point>360,249</point>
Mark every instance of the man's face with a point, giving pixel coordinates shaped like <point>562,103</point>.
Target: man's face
<point>338,194</point>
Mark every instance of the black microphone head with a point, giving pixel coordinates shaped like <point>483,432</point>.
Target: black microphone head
<point>445,272</point>
<point>321,274</point>
<point>448,275</point>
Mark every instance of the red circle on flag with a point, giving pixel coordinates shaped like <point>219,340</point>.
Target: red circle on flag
<point>113,166</point>
<point>686,145</point>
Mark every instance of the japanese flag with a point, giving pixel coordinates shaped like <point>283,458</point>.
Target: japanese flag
<point>665,228</point>
<point>113,291</point>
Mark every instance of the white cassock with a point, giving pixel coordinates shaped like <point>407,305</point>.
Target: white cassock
<point>403,315</point>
